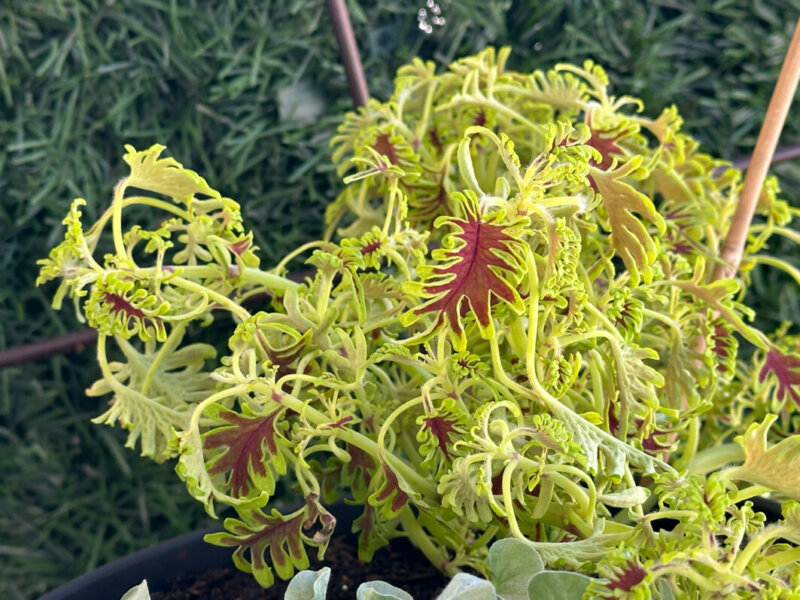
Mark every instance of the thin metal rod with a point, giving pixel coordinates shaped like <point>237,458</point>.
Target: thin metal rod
<point>771,128</point>
<point>348,50</point>
<point>782,154</point>
<point>76,341</point>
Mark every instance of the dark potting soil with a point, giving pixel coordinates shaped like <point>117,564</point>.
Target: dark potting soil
<point>399,564</point>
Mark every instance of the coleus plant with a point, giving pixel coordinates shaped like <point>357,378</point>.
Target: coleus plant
<point>510,330</point>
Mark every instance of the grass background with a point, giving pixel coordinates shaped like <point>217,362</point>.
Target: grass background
<point>78,79</point>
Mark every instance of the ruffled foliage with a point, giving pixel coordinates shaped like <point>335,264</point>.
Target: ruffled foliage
<point>514,334</point>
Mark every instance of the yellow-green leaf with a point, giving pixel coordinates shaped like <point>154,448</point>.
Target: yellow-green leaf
<point>630,238</point>
<point>164,175</point>
<point>776,467</point>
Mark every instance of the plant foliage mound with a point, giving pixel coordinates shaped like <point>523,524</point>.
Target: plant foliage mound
<point>511,330</point>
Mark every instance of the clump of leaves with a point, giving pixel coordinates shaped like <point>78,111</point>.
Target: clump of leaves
<point>510,330</point>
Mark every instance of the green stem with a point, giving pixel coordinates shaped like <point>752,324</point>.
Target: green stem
<point>323,294</point>
<point>251,275</point>
<point>576,338</point>
<point>687,572</point>
<point>194,421</point>
<point>575,519</point>
<point>690,448</point>
<point>663,318</point>
<point>777,263</point>
<point>784,231</point>
<point>509,112</point>
<point>508,502</point>
<point>116,222</point>
<point>395,413</point>
<point>317,418</point>
<point>670,514</point>
<point>541,97</point>
<point>212,295</point>
<point>604,320</point>
<point>579,474</point>
<point>165,206</point>
<point>269,280</point>
<point>570,487</point>
<point>167,347</point>
<point>616,351</point>
<point>751,492</point>
<point>756,543</point>
<point>410,448</point>
<point>422,540</point>
<point>315,244</point>
<point>554,202</point>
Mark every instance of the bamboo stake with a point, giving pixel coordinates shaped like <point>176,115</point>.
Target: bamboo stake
<point>778,108</point>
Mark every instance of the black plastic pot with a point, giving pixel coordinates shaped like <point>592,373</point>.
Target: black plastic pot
<point>771,508</point>
<point>184,555</point>
<point>190,555</point>
<point>181,556</point>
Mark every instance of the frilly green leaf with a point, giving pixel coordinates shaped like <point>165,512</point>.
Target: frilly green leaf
<point>154,393</point>
<point>459,490</point>
<point>281,535</point>
<point>164,175</point>
<point>776,467</point>
<point>630,238</point>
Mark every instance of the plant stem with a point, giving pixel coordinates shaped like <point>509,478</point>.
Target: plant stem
<point>166,348</point>
<point>396,413</point>
<point>131,200</point>
<point>298,251</point>
<point>778,264</point>
<point>116,220</point>
<point>751,492</point>
<point>759,540</point>
<point>689,573</point>
<point>223,301</point>
<point>784,231</point>
<point>421,540</point>
<point>663,318</point>
<point>315,417</point>
<point>269,280</point>
<point>690,447</point>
